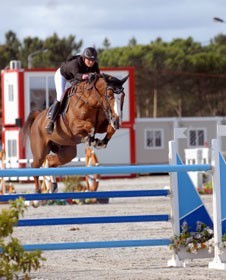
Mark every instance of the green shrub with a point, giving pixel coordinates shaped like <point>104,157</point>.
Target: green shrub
<point>13,259</point>
<point>73,184</point>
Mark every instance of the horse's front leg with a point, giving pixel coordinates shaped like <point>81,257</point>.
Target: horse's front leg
<point>90,139</point>
<point>102,144</point>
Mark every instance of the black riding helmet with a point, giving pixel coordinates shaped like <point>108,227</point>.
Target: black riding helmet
<point>90,53</point>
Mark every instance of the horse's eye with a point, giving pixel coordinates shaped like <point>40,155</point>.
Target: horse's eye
<point>118,90</point>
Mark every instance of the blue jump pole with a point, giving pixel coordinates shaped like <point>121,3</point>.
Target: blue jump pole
<point>123,169</point>
<point>97,244</point>
<point>94,220</point>
<point>84,195</point>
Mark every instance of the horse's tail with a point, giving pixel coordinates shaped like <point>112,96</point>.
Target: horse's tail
<point>26,130</point>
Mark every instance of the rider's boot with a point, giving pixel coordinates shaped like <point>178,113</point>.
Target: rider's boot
<point>52,117</point>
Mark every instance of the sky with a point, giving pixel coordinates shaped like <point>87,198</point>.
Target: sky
<point>117,20</point>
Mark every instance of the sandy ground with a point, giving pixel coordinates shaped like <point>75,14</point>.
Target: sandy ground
<point>117,263</point>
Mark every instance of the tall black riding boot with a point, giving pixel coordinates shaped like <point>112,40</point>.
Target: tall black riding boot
<point>52,116</point>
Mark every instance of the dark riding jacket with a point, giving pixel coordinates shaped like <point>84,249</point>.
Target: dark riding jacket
<point>75,67</point>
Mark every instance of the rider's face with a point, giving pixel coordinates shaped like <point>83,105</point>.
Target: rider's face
<point>89,62</point>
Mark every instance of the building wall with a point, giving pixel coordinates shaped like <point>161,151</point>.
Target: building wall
<point>155,155</point>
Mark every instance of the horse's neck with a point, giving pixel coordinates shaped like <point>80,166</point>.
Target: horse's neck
<point>90,93</point>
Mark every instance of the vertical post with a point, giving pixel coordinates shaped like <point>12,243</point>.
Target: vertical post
<point>217,199</point>
<point>173,151</point>
<point>155,103</point>
<point>173,148</point>
<point>30,57</point>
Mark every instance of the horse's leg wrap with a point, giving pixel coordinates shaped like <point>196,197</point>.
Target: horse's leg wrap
<point>54,187</point>
<point>91,139</point>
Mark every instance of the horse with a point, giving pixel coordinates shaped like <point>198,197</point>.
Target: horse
<point>88,107</point>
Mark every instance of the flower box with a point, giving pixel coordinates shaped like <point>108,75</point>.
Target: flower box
<point>202,253</point>
<point>193,245</point>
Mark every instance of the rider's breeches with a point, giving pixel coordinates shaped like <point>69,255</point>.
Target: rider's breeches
<point>60,84</point>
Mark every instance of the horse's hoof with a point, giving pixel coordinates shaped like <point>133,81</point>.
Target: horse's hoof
<point>54,188</point>
<point>38,191</point>
<point>100,145</point>
<point>27,202</point>
<point>93,144</point>
<point>103,200</point>
<point>35,203</point>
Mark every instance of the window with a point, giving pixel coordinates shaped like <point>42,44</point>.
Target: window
<point>196,137</point>
<point>153,138</point>
<point>10,93</point>
<point>51,91</point>
<point>12,148</point>
<point>42,92</point>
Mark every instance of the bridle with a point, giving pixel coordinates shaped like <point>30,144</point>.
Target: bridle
<point>107,109</point>
<point>116,91</point>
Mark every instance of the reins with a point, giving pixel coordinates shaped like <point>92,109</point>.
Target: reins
<point>98,96</point>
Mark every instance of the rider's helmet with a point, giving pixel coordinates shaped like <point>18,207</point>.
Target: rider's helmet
<point>90,53</point>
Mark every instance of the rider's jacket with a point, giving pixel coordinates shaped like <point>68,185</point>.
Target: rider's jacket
<point>74,68</point>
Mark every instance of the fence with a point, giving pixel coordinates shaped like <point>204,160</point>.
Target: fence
<point>182,190</point>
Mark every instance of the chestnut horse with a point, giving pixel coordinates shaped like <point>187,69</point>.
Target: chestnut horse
<point>89,108</point>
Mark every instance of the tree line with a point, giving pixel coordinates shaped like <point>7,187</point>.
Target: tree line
<point>172,79</point>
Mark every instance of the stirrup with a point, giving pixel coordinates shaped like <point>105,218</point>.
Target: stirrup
<point>50,127</point>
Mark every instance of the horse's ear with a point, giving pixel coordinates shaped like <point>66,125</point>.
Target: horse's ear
<point>124,79</point>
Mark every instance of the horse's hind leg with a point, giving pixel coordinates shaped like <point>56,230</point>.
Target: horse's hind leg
<point>38,159</point>
<point>49,182</point>
<point>65,155</point>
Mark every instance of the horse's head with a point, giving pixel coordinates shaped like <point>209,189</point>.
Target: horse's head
<point>114,98</point>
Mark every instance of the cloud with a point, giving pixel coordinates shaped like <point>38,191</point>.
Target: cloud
<point>118,20</point>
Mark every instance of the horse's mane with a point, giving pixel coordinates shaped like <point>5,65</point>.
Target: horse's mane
<point>107,79</point>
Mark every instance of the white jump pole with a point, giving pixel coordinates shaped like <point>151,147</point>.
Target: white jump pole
<point>217,262</point>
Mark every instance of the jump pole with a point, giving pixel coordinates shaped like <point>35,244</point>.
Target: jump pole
<point>178,173</point>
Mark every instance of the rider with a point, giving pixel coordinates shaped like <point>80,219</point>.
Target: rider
<point>75,68</point>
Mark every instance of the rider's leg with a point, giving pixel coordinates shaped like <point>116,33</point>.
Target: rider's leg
<point>52,117</point>
<point>60,83</point>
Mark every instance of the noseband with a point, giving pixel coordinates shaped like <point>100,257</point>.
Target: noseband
<point>115,90</point>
